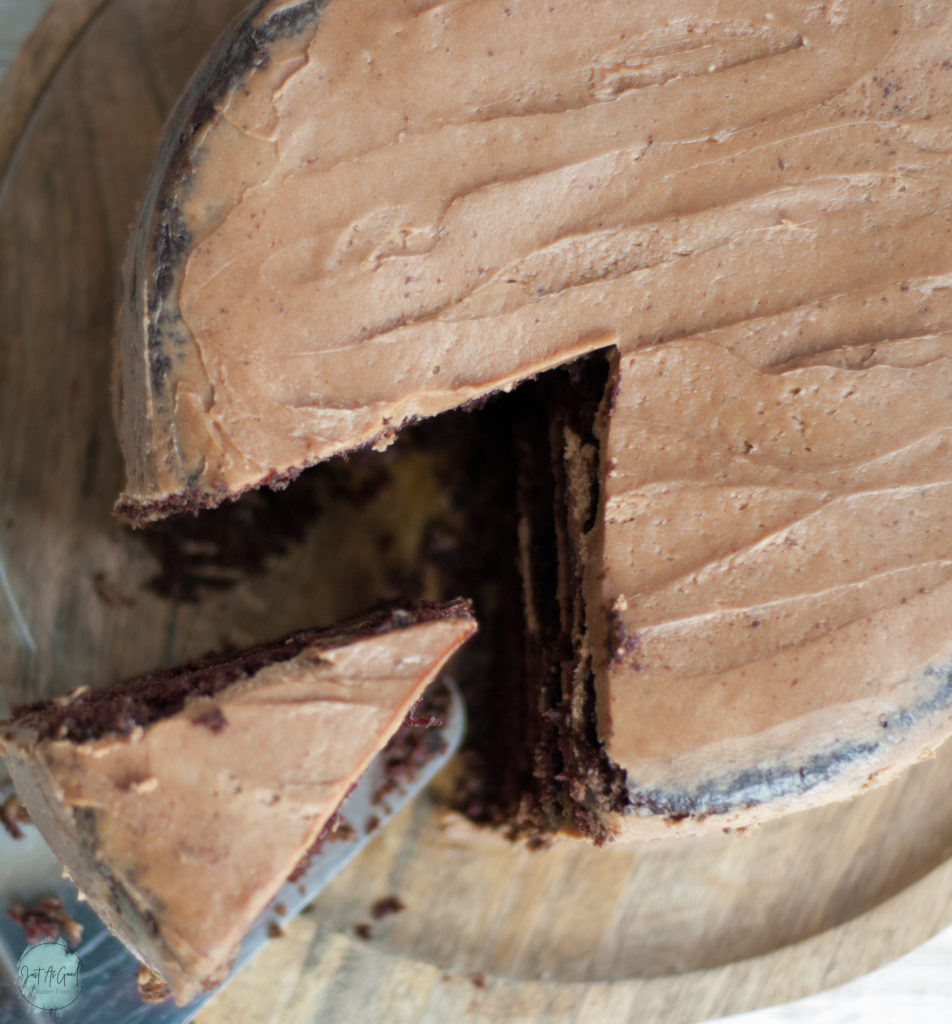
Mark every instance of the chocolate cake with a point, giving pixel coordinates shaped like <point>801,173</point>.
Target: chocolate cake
<point>734,534</point>
<point>179,802</point>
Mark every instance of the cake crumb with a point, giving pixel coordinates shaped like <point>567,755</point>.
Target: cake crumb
<point>213,719</point>
<point>478,979</point>
<point>363,931</point>
<point>386,906</point>
<point>280,909</point>
<point>426,722</point>
<point>412,747</point>
<point>343,832</point>
<point>12,815</point>
<point>275,931</point>
<point>108,591</point>
<point>152,986</point>
<point>46,922</point>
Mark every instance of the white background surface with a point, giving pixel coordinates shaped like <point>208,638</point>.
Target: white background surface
<point>917,989</point>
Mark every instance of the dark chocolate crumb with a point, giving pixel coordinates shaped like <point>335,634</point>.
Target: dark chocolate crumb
<point>12,815</point>
<point>426,722</point>
<point>335,828</point>
<point>275,931</point>
<point>213,719</point>
<point>344,832</point>
<point>46,922</point>
<point>413,745</point>
<point>152,987</point>
<point>386,906</point>
<point>478,979</point>
<point>363,931</point>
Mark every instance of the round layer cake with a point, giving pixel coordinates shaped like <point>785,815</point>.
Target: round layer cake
<point>737,214</point>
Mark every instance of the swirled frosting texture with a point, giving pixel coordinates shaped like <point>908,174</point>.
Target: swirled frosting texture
<point>776,558</point>
<point>409,205</point>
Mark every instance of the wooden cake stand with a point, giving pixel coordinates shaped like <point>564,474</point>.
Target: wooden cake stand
<point>667,932</point>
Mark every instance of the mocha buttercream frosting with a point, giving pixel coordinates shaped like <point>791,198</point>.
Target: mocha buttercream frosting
<point>776,576</point>
<point>180,830</point>
<point>369,211</point>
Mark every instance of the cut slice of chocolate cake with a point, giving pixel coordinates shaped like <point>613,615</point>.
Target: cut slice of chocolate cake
<point>179,802</point>
<point>370,212</point>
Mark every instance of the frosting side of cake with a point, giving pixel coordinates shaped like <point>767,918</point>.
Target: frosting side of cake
<point>154,345</point>
<point>180,832</point>
<point>454,197</point>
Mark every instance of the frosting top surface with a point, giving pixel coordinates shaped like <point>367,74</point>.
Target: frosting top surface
<point>776,549</point>
<point>413,204</point>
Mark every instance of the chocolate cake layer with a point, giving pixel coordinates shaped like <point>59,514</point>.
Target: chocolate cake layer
<point>90,714</point>
<point>179,829</point>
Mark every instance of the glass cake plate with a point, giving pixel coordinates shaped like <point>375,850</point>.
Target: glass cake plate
<point>107,970</point>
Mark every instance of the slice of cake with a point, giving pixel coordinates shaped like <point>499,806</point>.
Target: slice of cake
<point>367,212</point>
<point>179,802</point>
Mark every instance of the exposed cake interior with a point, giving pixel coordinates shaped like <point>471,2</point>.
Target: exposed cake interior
<point>594,789</point>
<point>673,628</point>
<point>537,765</point>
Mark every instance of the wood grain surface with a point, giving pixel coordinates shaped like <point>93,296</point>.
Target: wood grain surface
<point>490,932</point>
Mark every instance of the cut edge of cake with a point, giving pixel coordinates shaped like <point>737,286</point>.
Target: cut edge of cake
<point>575,636</point>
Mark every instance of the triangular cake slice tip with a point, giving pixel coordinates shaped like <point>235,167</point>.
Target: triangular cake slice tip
<point>179,802</point>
